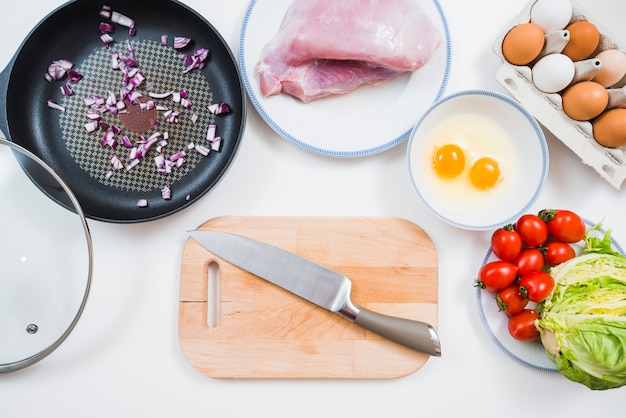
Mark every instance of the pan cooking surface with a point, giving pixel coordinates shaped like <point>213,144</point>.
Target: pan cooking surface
<point>163,69</point>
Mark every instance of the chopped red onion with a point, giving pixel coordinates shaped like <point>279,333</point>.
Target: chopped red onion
<point>106,39</point>
<point>176,156</point>
<point>74,76</point>
<point>159,161</point>
<point>109,139</point>
<point>91,126</point>
<point>116,162</point>
<point>202,149</point>
<point>54,105</point>
<point>142,203</point>
<point>106,27</point>
<point>163,39</point>
<point>93,100</point>
<point>121,19</point>
<point>125,141</point>
<point>210,133</point>
<point>105,12</point>
<point>219,108</point>
<point>91,115</point>
<point>216,144</point>
<point>166,192</point>
<point>197,60</point>
<point>160,95</point>
<point>66,90</point>
<point>58,68</point>
<point>137,79</point>
<point>132,164</point>
<point>181,42</point>
<point>185,103</point>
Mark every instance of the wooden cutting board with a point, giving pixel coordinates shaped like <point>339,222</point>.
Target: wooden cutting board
<point>250,328</point>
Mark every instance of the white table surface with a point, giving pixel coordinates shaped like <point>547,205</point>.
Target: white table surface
<point>123,358</point>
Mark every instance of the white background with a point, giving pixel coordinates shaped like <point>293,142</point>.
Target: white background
<point>123,358</point>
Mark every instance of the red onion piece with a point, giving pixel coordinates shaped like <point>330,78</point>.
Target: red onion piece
<point>120,19</point>
<point>166,192</point>
<point>202,149</point>
<point>91,126</point>
<point>106,27</point>
<point>54,105</point>
<point>116,162</point>
<point>105,12</point>
<point>160,95</point>
<point>181,42</point>
<point>216,144</point>
<point>219,108</point>
<point>66,90</point>
<point>142,203</point>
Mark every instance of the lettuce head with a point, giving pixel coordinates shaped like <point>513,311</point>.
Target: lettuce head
<point>583,322</point>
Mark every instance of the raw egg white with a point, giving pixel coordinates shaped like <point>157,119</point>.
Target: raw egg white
<point>469,161</point>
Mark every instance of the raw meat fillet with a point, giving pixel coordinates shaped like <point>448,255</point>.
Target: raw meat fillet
<point>328,47</point>
<point>321,78</point>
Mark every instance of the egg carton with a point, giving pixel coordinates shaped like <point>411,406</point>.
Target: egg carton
<point>610,163</point>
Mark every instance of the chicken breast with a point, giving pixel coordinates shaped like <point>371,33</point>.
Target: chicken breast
<point>326,47</point>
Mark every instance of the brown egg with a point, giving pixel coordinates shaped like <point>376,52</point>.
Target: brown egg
<point>584,38</point>
<point>609,129</point>
<point>613,67</point>
<point>523,43</point>
<point>585,100</point>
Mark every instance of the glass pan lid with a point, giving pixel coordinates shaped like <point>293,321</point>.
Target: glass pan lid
<point>45,259</point>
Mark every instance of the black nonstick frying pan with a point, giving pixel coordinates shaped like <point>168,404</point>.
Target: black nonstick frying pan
<point>105,193</point>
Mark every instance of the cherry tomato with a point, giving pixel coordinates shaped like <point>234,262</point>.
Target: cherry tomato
<point>522,325</point>
<point>557,252</point>
<point>510,300</point>
<point>532,229</point>
<point>529,260</point>
<point>536,286</point>
<point>506,243</point>
<point>496,275</point>
<point>564,225</point>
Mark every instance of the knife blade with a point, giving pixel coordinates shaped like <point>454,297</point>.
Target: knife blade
<point>316,284</point>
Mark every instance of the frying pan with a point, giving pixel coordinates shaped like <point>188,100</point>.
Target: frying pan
<point>59,138</point>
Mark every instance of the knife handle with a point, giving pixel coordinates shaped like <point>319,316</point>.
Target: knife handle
<point>417,335</point>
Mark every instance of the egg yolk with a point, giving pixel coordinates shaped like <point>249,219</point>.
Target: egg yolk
<point>449,161</point>
<point>484,173</point>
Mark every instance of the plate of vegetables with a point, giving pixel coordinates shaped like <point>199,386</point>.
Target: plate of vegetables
<point>543,275</point>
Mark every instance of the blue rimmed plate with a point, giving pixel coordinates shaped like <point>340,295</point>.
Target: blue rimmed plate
<point>529,354</point>
<point>366,121</point>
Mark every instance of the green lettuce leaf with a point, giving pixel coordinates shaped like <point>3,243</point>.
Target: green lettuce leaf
<point>584,320</point>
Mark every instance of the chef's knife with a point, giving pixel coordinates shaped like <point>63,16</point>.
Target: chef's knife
<point>317,284</point>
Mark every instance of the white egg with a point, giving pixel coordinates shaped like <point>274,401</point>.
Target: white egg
<point>479,136</point>
<point>553,73</point>
<point>551,15</point>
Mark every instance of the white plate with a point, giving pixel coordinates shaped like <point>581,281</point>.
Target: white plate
<point>529,354</point>
<point>366,121</point>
